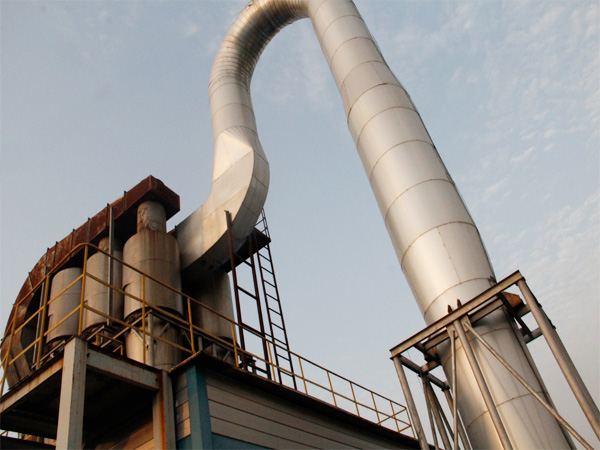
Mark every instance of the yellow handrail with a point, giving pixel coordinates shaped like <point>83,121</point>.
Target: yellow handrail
<point>398,414</point>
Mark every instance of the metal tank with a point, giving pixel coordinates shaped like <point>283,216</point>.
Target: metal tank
<point>61,304</point>
<point>214,291</point>
<point>155,253</point>
<point>98,295</point>
<point>437,243</point>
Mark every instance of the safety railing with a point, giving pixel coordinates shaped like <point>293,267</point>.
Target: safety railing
<point>312,379</point>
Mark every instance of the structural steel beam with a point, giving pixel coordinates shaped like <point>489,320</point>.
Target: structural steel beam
<point>69,434</point>
<point>123,370</point>
<point>163,417</point>
<point>16,396</point>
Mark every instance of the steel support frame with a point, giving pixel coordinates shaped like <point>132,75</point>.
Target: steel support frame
<point>588,406</point>
<point>458,323</point>
<point>163,414</point>
<point>69,433</point>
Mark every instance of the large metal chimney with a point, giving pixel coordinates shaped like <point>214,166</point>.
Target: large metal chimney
<point>436,241</point>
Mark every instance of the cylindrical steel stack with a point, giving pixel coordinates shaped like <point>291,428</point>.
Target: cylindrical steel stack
<point>62,304</point>
<point>213,291</point>
<point>98,295</point>
<point>437,243</point>
<point>155,253</point>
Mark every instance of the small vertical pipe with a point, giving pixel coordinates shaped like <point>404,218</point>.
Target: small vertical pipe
<point>40,318</point>
<point>84,277</point>
<point>43,325</point>
<point>485,392</point>
<point>143,318</point>
<point>412,408</point>
<point>561,355</point>
<point>111,264</point>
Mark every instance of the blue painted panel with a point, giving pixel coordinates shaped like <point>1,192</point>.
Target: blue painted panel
<point>200,429</point>
<point>185,443</point>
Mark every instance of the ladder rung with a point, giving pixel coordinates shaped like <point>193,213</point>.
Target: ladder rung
<point>247,327</point>
<point>278,326</point>
<point>260,369</point>
<point>283,357</point>
<point>280,341</point>
<point>267,270</point>
<point>248,293</point>
<point>275,311</point>
<point>269,283</point>
<point>274,298</point>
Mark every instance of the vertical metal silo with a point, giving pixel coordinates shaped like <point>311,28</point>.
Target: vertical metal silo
<point>65,296</point>
<point>155,254</point>
<point>214,291</point>
<point>98,295</point>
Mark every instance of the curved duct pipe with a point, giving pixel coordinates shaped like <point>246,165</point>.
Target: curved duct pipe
<point>437,243</point>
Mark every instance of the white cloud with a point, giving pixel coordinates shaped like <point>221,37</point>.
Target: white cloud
<point>494,189</point>
<point>190,29</point>
<point>523,156</point>
<point>529,135</point>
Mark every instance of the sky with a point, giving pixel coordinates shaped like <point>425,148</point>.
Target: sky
<point>95,96</point>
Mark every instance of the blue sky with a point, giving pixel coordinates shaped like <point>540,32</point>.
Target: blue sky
<point>95,96</point>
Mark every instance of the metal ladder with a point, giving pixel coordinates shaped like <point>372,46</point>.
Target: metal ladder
<point>281,347</point>
<point>245,256</point>
<point>277,353</point>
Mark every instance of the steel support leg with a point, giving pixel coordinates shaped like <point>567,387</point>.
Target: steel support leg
<point>485,392</point>
<point>69,433</point>
<point>521,380</point>
<point>163,418</point>
<point>561,355</point>
<point>437,415</point>
<point>459,424</point>
<point>420,434</point>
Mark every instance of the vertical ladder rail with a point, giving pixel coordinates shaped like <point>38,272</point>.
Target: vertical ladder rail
<point>251,245</point>
<point>236,292</point>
